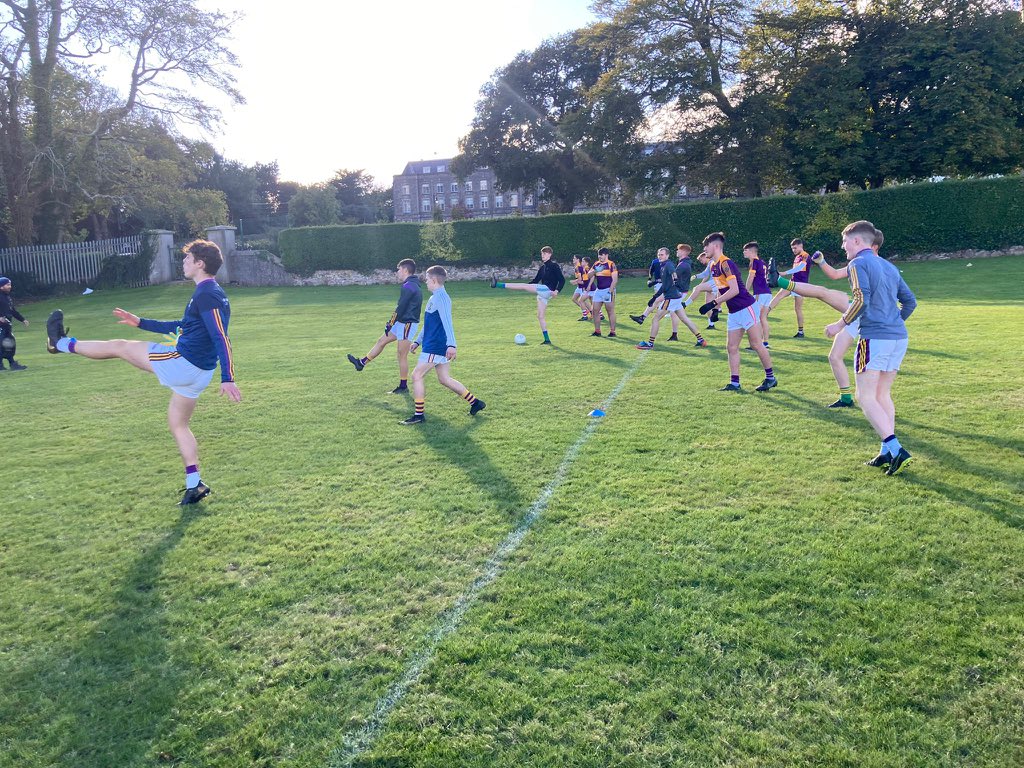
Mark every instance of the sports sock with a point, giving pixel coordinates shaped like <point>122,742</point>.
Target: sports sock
<point>891,445</point>
<point>799,329</point>
<point>468,397</point>
<point>499,285</point>
<point>192,476</point>
<point>735,379</point>
<point>403,384</point>
<point>364,360</point>
<point>546,338</point>
<point>785,282</point>
<point>769,373</point>
<point>699,337</point>
<point>419,406</point>
<point>846,394</point>
<point>66,344</point>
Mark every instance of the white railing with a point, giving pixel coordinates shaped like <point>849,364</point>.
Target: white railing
<point>63,263</point>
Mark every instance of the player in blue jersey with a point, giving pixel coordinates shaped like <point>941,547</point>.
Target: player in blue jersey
<point>401,326</point>
<point>881,304</point>
<point>200,340</point>
<point>437,339</point>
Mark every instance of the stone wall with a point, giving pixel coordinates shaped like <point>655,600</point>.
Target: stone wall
<point>384,276</point>
<point>1017,250</point>
<point>258,268</point>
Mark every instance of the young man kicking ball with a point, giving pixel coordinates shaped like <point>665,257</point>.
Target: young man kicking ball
<point>605,276</point>
<point>437,337</point>
<point>881,302</point>
<point>742,315</point>
<point>188,367</point>
<point>673,301</point>
<point>840,302</point>
<point>800,273</point>
<point>548,281</point>
<point>401,327</point>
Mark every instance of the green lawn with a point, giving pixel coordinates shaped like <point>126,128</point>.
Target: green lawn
<point>717,581</point>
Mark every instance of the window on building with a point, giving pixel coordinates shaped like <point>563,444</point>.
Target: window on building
<point>469,186</point>
<point>439,188</point>
<point>406,206</point>
<point>485,201</point>
<point>425,189</point>
<point>405,189</point>
<point>469,203</point>
<point>426,169</point>
<point>442,168</point>
<point>528,200</point>
<point>454,200</point>
<point>455,186</point>
<point>499,201</point>
<point>483,185</point>
<point>425,205</point>
<point>513,200</point>
<point>439,203</point>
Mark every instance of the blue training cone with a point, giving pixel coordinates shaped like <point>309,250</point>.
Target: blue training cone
<point>596,413</point>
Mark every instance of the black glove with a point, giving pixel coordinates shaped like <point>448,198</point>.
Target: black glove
<point>705,308</point>
<point>650,283</point>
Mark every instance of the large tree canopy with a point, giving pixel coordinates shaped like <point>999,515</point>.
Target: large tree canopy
<point>50,140</point>
<point>553,117</point>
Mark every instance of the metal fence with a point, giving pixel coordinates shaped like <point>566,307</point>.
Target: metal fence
<point>64,263</point>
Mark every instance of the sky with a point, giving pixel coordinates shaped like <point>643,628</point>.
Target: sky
<point>366,85</point>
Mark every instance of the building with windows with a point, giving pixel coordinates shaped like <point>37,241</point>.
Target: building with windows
<point>426,185</point>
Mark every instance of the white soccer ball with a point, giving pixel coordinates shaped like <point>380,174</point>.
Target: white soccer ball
<point>520,339</point>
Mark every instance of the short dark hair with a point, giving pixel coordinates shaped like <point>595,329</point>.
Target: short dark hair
<point>862,228</point>
<point>752,245</point>
<point>604,252</point>
<point>206,252</point>
<point>586,259</point>
<point>879,238</point>
<point>437,272</point>
<point>407,264</point>
<point>714,237</point>
<point>797,241</point>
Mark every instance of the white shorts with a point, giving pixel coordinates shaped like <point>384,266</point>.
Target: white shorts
<point>175,372</point>
<point>579,292</point>
<point>854,329</point>
<point>404,331</point>
<point>880,354</point>
<point>763,300</point>
<point>674,305</point>
<point>432,359</point>
<point>743,319</point>
<point>602,294</point>
<point>656,287</point>
<point>544,294</point>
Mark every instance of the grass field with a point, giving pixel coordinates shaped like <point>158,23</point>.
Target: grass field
<point>713,579</point>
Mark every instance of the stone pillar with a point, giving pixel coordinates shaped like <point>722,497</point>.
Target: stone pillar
<point>224,237</point>
<point>161,241</point>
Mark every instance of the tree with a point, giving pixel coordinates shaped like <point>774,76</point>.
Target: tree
<point>171,45</point>
<point>359,198</point>
<point>689,54</point>
<point>313,206</point>
<point>552,117</point>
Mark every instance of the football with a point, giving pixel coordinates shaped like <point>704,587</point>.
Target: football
<point>520,339</point>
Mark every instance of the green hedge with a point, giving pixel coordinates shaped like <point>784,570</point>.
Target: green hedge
<point>917,218</point>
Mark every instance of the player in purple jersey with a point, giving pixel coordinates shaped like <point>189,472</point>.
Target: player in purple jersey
<point>757,286</point>
<point>198,341</point>
<point>742,314</point>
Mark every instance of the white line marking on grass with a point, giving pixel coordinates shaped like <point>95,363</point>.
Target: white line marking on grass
<point>355,744</point>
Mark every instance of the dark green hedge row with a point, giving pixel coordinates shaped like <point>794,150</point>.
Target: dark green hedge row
<point>918,218</point>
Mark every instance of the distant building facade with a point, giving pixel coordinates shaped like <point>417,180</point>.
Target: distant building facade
<point>428,185</point>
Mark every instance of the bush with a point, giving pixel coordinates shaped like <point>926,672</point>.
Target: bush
<point>916,218</point>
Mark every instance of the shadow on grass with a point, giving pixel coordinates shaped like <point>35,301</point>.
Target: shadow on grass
<point>452,440</point>
<point>987,441</point>
<point>1003,510</point>
<point>1006,512</point>
<point>113,692</point>
<point>605,359</point>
